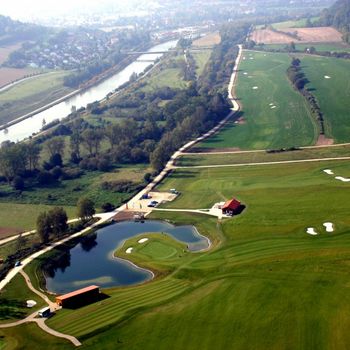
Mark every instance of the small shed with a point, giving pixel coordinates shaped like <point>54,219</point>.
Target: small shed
<point>79,297</point>
<point>231,207</point>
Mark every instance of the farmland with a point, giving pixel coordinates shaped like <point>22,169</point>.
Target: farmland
<point>274,115</point>
<point>333,93</point>
<point>207,40</point>
<point>332,47</point>
<point>31,94</point>
<point>305,35</point>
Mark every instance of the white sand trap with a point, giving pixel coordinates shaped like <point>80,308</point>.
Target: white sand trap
<point>311,231</point>
<point>271,104</point>
<point>328,171</point>
<point>142,240</point>
<point>327,77</point>
<point>328,226</point>
<point>344,179</point>
<point>255,87</point>
<point>245,73</point>
<point>273,107</point>
<point>249,76</point>
<point>244,58</point>
<point>251,58</point>
<point>129,250</point>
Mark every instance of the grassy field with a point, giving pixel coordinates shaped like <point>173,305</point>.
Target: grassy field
<point>337,47</point>
<point>289,124</point>
<point>30,336</point>
<point>208,40</point>
<point>260,157</point>
<point>332,94</point>
<point>31,94</point>
<point>265,274</point>
<point>13,301</point>
<point>170,77</point>
<point>67,192</point>
<point>201,58</point>
<point>23,216</point>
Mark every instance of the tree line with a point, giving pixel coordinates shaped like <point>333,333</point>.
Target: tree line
<point>299,80</point>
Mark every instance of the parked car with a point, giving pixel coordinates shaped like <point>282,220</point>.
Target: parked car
<point>17,263</point>
<point>152,204</point>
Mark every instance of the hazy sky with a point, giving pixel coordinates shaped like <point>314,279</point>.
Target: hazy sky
<point>27,8</point>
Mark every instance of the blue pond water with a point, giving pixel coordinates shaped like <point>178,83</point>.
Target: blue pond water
<point>91,261</point>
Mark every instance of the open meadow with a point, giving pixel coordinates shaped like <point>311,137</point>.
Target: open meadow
<point>263,273</point>
<point>330,83</point>
<point>274,115</point>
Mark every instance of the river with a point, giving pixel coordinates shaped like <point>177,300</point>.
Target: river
<point>27,127</point>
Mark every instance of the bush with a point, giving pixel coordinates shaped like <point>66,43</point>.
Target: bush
<point>106,207</point>
<point>71,173</point>
<point>18,183</point>
<point>44,178</point>
<point>118,186</point>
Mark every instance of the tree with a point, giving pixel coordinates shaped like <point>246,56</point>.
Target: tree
<point>92,139</point>
<point>13,160</point>
<point>58,221</point>
<point>33,154</point>
<point>43,227</point>
<point>55,145</point>
<point>85,208</point>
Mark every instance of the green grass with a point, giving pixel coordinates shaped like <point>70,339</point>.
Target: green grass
<point>30,336</point>
<point>23,216</point>
<point>260,157</point>
<point>337,47</point>
<point>170,77</point>
<point>32,94</point>
<point>67,192</point>
<point>201,58</point>
<point>289,124</point>
<point>299,23</point>
<point>265,274</point>
<point>332,94</point>
<point>161,253</point>
<point>13,301</point>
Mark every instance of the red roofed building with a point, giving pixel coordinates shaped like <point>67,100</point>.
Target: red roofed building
<point>231,207</point>
<point>79,297</point>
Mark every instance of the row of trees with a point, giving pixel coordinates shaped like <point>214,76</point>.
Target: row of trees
<point>298,79</point>
<point>54,223</point>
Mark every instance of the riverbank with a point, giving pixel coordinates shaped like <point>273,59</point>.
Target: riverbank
<point>93,83</point>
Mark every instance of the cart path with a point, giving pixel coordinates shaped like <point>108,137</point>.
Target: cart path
<point>262,163</point>
<point>41,321</point>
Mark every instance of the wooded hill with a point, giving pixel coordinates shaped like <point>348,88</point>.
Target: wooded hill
<point>338,16</point>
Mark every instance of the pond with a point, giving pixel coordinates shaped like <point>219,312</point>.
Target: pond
<point>92,262</point>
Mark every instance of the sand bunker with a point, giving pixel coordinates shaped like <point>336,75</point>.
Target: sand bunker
<point>311,231</point>
<point>328,171</point>
<point>245,73</point>
<point>129,250</point>
<point>344,179</point>
<point>251,58</point>
<point>327,77</point>
<point>255,87</point>
<point>273,107</point>
<point>249,76</point>
<point>328,226</point>
<point>142,240</point>
<point>244,58</point>
<point>271,104</point>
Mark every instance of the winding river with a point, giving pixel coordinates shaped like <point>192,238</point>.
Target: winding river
<point>92,261</point>
<point>27,127</point>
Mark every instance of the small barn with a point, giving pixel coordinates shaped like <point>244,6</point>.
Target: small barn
<point>79,297</point>
<point>232,207</point>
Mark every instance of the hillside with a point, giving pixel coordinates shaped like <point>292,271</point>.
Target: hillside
<point>14,31</point>
<point>338,16</point>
